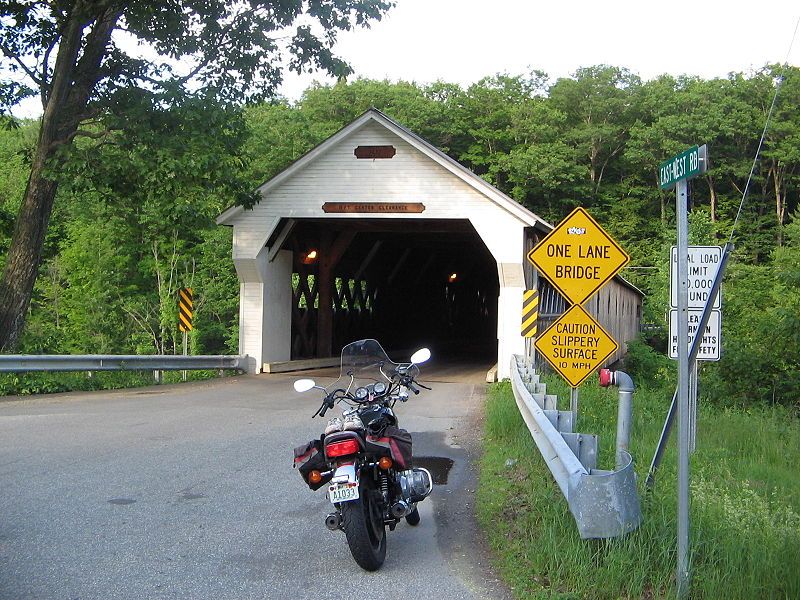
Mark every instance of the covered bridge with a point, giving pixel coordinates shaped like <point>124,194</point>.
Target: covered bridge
<point>376,233</point>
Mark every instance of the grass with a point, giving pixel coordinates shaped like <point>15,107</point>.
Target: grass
<point>745,504</point>
<point>53,382</point>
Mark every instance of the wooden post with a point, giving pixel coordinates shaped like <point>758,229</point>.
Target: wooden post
<point>331,253</point>
<point>325,290</point>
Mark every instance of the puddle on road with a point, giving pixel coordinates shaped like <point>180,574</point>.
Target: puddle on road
<point>439,466</point>
<point>121,501</point>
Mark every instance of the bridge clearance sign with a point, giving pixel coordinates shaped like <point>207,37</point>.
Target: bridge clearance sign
<point>578,257</point>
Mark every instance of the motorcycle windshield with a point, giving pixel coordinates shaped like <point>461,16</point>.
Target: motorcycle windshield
<point>364,360</point>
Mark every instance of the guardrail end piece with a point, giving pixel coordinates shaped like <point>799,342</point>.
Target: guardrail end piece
<point>606,504</point>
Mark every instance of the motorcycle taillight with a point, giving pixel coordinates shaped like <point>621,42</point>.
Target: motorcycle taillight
<point>342,448</point>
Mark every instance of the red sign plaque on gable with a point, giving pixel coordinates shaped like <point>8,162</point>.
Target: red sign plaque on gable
<point>374,151</point>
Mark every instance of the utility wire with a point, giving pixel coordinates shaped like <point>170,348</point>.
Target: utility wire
<point>778,86</point>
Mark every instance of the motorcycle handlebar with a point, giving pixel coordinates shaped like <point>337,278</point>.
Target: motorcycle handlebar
<point>329,400</point>
<point>327,403</point>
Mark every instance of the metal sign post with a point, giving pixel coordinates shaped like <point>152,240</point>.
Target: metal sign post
<point>683,390</point>
<point>676,171</point>
<point>573,405</point>
<point>693,406</point>
<point>185,353</point>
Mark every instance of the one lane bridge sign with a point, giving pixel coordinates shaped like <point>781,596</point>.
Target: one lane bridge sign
<point>578,256</point>
<point>576,345</point>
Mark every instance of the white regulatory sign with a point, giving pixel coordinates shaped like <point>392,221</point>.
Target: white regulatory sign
<point>703,265</point>
<point>712,337</point>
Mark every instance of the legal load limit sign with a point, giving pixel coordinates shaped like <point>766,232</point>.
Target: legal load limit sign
<point>576,345</point>
<point>703,262</point>
<point>578,256</point>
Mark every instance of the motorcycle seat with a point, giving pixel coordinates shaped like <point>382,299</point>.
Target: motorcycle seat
<point>339,436</point>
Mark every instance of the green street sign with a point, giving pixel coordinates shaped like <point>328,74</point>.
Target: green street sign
<point>686,165</point>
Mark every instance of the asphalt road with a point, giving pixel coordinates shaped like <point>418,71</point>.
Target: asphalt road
<point>188,492</point>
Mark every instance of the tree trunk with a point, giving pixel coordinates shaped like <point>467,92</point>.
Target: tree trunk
<point>65,101</point>
<point>713,192</point>
<point>24,256</point>
<point>780,199</point>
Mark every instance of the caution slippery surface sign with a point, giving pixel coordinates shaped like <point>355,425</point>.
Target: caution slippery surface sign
<point>576,345</point>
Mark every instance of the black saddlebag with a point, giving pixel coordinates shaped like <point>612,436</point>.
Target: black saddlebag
<point>394,442</point>
<point>310,457</point>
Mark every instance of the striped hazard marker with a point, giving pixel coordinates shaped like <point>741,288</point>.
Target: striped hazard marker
<point>185,308</point>
<point>530,312</point>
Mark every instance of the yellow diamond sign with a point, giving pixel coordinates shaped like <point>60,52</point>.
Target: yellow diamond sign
<point>576,345</point>
<point>578,256</point>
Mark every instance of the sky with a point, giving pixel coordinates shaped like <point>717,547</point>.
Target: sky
<point>461,41</point>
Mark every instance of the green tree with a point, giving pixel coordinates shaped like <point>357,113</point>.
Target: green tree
<point>782,149</point>
<point>67,53</point>
<point>598,104</point>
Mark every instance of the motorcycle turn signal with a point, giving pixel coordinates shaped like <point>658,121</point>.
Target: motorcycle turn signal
<point>385,463</point>
<point>314,477</point>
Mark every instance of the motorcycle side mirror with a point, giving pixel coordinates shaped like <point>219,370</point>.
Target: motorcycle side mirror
<point>420,356</point>
<point>303,385</point>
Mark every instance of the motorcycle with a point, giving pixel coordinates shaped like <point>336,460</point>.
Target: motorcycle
<point>364,458</point>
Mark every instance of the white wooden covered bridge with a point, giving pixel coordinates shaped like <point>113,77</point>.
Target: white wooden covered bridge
<point>376,233</point>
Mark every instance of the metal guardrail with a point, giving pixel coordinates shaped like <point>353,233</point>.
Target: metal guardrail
<point>19,363</point>
<point>604,503</point>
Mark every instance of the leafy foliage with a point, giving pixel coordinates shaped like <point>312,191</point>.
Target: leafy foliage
<point>79,57</point>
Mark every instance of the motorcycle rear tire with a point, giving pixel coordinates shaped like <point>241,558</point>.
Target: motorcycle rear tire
<point>362,521</point>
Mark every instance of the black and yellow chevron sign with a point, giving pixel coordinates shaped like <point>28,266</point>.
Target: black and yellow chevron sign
<point>530,312</point>
<point>185,308</point>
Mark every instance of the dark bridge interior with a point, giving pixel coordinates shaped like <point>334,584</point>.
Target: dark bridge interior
<point>405,282</point>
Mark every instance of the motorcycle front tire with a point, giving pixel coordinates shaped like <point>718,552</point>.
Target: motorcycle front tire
<point>362,521</point>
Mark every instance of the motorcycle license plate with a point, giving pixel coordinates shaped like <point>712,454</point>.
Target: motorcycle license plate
<point>343,492</point>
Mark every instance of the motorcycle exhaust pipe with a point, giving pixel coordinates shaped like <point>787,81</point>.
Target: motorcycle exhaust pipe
<point>333,521</point>
<point>399,509</point>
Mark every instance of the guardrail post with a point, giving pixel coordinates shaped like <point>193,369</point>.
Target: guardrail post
<point>624,411</point>
<point>604,503</point>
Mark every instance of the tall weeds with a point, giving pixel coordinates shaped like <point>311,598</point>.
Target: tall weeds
<point>745,505</point>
